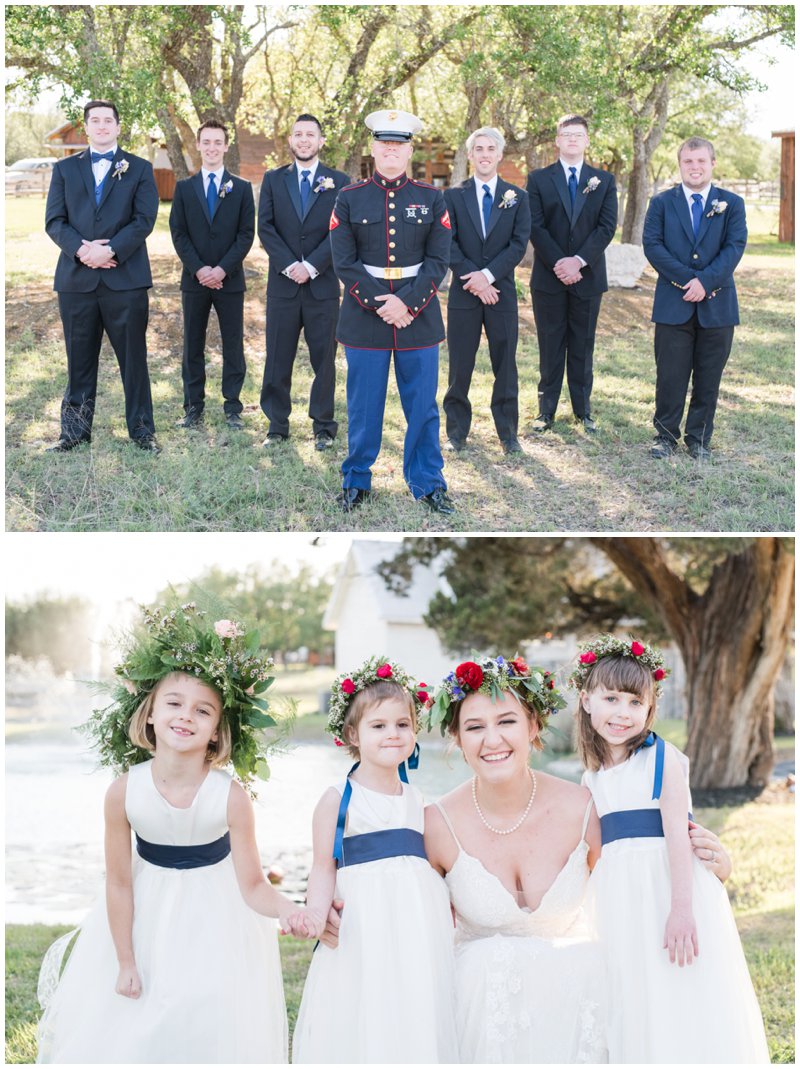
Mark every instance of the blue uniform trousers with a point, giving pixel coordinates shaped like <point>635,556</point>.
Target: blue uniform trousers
<point>417,375</point>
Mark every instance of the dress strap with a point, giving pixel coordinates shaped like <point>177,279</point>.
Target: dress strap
<point>342,817</point>
<point>658,779</point>
<point>449,825</point>
<point>586,816</point>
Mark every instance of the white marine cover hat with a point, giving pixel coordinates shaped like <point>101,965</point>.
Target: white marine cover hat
<point>392,125</point>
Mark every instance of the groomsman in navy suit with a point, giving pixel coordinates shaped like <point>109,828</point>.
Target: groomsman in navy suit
<point>213,224</point>
<point>694,236</point>
<point>573,220</point>
<point>101,206</point>
<point>491,222</point>
<point>294,211</point>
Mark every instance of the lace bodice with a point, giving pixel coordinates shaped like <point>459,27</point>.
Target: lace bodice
<point>484,907</point>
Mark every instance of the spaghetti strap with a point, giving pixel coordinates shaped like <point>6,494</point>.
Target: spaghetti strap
<point>449,825</point>
<point>586,816</point>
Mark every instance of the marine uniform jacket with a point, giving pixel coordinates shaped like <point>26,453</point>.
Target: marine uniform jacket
<point>500,251</point>
<point>223,241</point>
<point>560,229</point>
<point>288,235</point>
<point>678,256</point>
<point>390,223</point>
<point>125,215</point>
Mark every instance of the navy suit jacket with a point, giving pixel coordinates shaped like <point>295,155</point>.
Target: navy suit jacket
<point>125,215</point>
<point>678,256</point>
<point>560,229</point>
<point>222,242</point>
<point>499,252</point>
<point>288,235</point>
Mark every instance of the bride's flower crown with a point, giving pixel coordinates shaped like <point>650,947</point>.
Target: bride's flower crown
<point>611,646</point>
<point>348,684</point>
<point>493,676</point>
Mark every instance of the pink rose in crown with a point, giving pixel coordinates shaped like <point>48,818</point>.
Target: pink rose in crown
<point>588,658</point>
<point>226,629</point>
<point>384,671</point>
<point>637,649</point>
<point>348,686</point>
<point>659,674</point>
<point>520,666</point>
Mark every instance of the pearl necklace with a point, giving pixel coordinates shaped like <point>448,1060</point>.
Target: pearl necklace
<point>506,831</point>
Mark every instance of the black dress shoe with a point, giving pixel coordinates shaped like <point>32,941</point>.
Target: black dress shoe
<point>147,443</point>
<point>193,417</point>
<point>64,445</point>
<point>511,445</point>
<point>455,445</point>
<point>273,440</point>
<point>234,421</point>
<point>662,449</point>
<point>323,441</point>
<point>351,497</point>
<point>589,424</point>
<point>438,501</point>
<point>698,451</point>
<point>542,424</point>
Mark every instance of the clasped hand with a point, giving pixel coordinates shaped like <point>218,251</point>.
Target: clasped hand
<point>476,283</point>
<point>211,277</point>
<point>394,311</point>
<point>95,253</point>
<point>568,270</point>
<point>128,982</point>
<point>693,291</point>
<point>305,924</point>
<point>298,273</point>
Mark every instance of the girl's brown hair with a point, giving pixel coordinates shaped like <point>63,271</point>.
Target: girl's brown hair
<point>374,694</point>
<point>624,674</point>
<point>142,735</point>
<point>529,708</point>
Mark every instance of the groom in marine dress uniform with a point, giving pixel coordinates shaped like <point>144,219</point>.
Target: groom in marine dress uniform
<point>101,206</point>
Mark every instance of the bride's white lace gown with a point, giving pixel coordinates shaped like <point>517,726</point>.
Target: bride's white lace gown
<point>529,983</point>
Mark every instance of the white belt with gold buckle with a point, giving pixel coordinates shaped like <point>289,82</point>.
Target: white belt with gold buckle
<point>392,272</point>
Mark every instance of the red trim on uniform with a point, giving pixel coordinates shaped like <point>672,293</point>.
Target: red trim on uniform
<point>424,185</point>
<point>425,305</point>
<point>355,297</point>
<point>389,348</point>
<point>355,185</point>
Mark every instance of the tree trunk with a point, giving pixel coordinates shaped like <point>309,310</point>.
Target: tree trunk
<point>733,641</point>
<point>476,98</point>
<point>174,144</point>
<point>648,130</point>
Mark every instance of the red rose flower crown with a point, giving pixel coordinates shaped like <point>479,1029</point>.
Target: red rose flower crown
<point>493,676</point>
<point>611,646</point>
<point>375,670</point>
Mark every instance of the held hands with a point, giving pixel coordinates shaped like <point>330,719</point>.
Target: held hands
<point>330,937</point>
<point>394,311</point>
<point>128,982</point>
<point>94,254</point>
<point>568,270</point>
<point>693,291</point>
<point>211,277</point>
<point>680,936</point>
<point>305,923</point>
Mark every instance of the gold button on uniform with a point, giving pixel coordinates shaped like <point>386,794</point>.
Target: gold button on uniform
<point>391,244</point>
<point>392,231</point>
<point>392,259</point>
<point>391,220</point>
<point>363,220</point>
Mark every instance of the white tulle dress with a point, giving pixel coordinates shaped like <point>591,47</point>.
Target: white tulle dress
<point>209,965</point>
<point>386,993</point>
<point>703,1013</point>
<point>528,982</point>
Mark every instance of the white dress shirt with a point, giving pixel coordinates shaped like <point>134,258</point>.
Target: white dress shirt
<point>101,167</point>
<point>577,167</point>
<point>492,184</point>
<point>217,179</point>
<point>688,193</point>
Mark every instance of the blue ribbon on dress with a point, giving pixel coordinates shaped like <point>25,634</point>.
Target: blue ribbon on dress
<point>378,845</point>
<point>658,780</point>
<point>184,857</point>
<point>632,824</point>
<point>338,839</point>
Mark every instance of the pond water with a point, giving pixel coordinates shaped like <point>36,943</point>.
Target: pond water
<point>54,816</point>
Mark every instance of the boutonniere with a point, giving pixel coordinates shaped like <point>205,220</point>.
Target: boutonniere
<point>120,167</point>
<point>509,199</point>
<point>226,189</point>
<point>324,183</point>
<point>717,208</point>
<point>592,184</point>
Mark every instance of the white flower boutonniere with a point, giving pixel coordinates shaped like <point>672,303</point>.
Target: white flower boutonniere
<point>324,183</point>
<point>509,199</point>
<point>120,167</point>
<point>592,184</point>
<point>717,208</point>
<point>226,189</point>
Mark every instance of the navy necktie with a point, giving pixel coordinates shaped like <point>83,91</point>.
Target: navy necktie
<point>102,156</point>
<point>305,190</point>
<point>211,195</point>
<point>573,185</point>
<point>697,212</point>
<point>487,209</point>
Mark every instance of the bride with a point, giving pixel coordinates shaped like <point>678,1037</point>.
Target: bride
<point>515,848</point>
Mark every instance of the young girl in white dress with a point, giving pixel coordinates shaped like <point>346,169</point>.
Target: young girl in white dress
<point>674,959</point>
<point>386,992</point>
<point>180,962</point>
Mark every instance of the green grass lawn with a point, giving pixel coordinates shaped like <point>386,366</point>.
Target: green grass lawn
<point>215,480</point>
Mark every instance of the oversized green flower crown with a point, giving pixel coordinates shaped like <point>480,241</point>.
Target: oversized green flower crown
<point>375,670</point>
<point>493,676</point>
<point>611,646</point>
<point>222,654</point>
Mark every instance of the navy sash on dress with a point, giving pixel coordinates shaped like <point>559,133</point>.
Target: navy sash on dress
<point>184,857</point>
<point>377,845</point>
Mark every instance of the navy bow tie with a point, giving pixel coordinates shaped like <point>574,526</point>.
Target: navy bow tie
<point>102,156</point>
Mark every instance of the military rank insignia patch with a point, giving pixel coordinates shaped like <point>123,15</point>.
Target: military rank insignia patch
<point>446,220</point>
<point>334,221</point>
